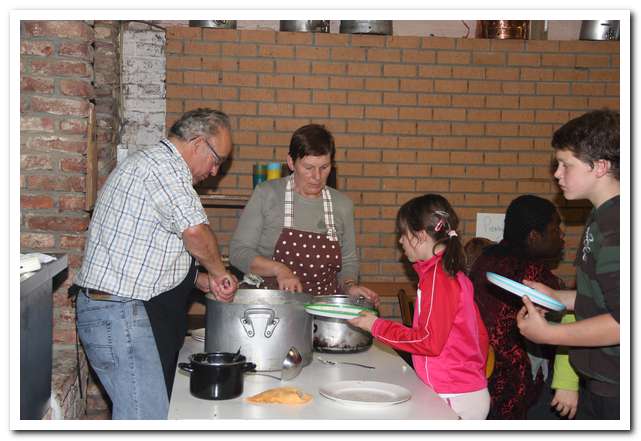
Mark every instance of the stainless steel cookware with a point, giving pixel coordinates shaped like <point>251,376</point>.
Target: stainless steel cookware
<point>336,335</point>
<point>380,27</point>
<point>266,323</point>
<point>304,25</point>
<point>599,30</point>
<point>219,24</point>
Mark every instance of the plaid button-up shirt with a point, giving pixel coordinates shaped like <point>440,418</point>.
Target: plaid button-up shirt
<point>134,244</point>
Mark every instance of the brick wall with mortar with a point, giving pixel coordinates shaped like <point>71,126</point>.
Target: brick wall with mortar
<point>64,66</point>
<point>468,118</point>
<point>143,86</point>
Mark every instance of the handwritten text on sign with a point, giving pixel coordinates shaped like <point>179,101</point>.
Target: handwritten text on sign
<point>490,225</point>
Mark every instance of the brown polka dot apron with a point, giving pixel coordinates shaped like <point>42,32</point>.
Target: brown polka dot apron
<point>313,257</point>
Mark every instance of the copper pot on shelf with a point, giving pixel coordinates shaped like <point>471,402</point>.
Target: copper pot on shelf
<point>503,29</point>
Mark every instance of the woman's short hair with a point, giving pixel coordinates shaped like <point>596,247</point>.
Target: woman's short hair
<point>312,140</point>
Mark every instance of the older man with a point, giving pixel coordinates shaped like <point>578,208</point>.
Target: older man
<point>146,233</point>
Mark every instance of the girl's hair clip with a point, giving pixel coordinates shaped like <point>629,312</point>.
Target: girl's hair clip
<point>438,225</point>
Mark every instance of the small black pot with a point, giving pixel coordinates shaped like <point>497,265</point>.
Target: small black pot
<point>216,375</point>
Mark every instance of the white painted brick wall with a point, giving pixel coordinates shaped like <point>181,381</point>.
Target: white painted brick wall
<point>143,87</point>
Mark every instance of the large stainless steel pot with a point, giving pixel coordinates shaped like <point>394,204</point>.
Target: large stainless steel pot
<point>304,25</point>
<point>380,27</point>
<point>336,335</point>
<point>599,30</point>
<point>218,24</point>
<point>264,323</point>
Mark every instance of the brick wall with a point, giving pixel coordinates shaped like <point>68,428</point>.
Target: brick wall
<point>468,118</point>
<point>143,86</point>
<point>65,65</point>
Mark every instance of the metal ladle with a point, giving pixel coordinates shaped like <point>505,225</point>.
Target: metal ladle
<point>292,365</point>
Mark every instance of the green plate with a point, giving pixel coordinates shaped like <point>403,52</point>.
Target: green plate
<point>335,310</point>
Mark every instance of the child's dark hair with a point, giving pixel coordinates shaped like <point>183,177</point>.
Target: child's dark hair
<point>524,214</point>
<point>473,249</point>
<point>591,137</point>
<point>433,214</point>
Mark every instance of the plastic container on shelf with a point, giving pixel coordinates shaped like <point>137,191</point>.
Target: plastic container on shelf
<point>259,174</point>
<point>274,170</point>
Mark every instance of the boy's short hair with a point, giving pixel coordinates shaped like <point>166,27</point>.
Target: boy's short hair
<point>591,137</point>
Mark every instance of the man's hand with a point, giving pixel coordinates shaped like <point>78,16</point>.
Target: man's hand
<point>365,321</point>
<point>355,291</point>
<point>532,324</point>
<point>223,287</point>
<point>202,282</point>
<point>565,402</point>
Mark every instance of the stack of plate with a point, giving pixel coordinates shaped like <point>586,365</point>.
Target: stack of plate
<point>198,334</point>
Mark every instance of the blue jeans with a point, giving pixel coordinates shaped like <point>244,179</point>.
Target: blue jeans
<point>120,346</point>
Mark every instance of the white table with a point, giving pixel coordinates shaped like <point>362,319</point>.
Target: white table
<point>390,368</point>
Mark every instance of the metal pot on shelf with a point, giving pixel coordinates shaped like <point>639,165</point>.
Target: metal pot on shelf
<point>265,323</point>
<point>217,24</point>
<point>336,335</point>
<point>503,29</point>
<point>377,27</point>
<point>599,30</point>
<point>304,26</point>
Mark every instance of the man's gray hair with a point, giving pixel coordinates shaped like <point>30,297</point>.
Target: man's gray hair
<point>200,122</point>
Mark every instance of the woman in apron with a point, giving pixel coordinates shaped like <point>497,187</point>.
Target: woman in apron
<point>296,232</point>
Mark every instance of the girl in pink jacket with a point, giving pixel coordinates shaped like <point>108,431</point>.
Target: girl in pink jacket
<point>447,340</point>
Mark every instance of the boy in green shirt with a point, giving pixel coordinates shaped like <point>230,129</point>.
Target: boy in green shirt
<point>587,152</point>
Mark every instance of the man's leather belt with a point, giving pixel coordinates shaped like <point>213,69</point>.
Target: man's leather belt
<point>94,294</point>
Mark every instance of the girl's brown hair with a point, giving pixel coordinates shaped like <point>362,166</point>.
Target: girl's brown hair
<point>433,214</point>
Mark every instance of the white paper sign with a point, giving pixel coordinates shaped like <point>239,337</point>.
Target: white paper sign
<point>490,225</point>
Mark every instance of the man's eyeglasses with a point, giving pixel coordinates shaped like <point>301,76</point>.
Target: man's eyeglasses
<point>218,160</point>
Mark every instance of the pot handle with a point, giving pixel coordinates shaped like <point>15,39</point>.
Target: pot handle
<point>248,367</point>
<point>186,367</point>
<point>272,321</point>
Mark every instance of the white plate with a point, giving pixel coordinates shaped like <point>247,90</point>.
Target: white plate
<point>521,290</point>
<point>198,334</point>
<point>335,310</point>
<point>365,393</point>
